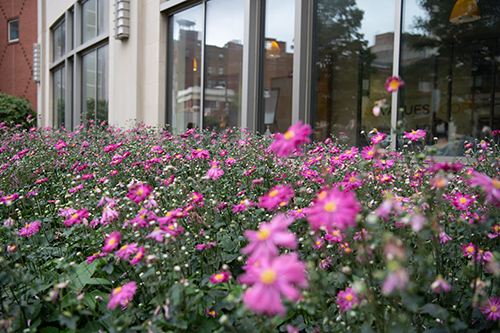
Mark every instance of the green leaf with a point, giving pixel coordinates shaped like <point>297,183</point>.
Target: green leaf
<point>84,273</point>
<point>435,311</point>
<point>69,322</point>
<point>49,329</point>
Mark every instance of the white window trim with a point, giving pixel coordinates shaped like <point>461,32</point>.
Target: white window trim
<point>8,34</point>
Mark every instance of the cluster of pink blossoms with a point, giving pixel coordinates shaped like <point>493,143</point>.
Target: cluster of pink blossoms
<point>285,144</point>
<point>269,275</point>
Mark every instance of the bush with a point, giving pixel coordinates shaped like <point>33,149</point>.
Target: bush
<point>141,230</point>
<point>15,110</point>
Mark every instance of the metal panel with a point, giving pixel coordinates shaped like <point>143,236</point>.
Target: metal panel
<point>395,70</point>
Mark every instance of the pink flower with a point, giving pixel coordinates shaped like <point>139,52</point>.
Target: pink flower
<point>9,198</point>
<point>440,285</point>
<point>324,263</point>
<point>265,241</point>
<point>377,138</point>
<point>490,186</point>
<point>335,236</point>
<point>77,217</point>
<point>108,215</point>
<point>156,234</point>
<point>397,279</point>
<point>415,135</point>
<point>346,299</point>
<point>208,312</point>
<point>269,280</point>
<point>138,256</point>
<point>214,172</point>
<point>29,229</point>
<point>95,256</point>
<point>126,250</point>
<point>492,308</point>
<point>333,209</point>
<point>243,205</point>
<point>221,277</point>
<point>200,154</point>
<point>351,181</point>
<point>284,144</point>
<point>122,295</point>
<point>393,84</point>
<point>138,192</point>
<point>461,201</point>
<point>319,243</point>
<point>469,250</point>
<point>112,241</point>
<point>443,237</point>
<point>278,196</point>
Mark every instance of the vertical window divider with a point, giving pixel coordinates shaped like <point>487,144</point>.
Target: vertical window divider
<point>398,27</point>
<point>202,67</point>
<point>67,72</point>
<point>77,65</point>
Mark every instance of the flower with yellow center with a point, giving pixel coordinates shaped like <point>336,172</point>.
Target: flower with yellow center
<point>470,249</point>
<point>112,241</point>
<point>289,135</point>
<point>493,308</point>
<point>370,153</point>
<point>124,247</point>
<point>140,191</point>
<point>496,184</point>
<point>352,179</point>
<point>273,193</point>
<point>219,276</point>
<point>268,277</point>
<point>349,297</point>
<point>330,207</point>
<point>462,200</point>
<point>263,234</point>
<point>117,290</point>
<point>74,216</point>
<point>322,195</point>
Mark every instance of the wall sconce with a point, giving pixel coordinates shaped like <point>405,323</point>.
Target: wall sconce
<point>273,50</point>
<point>195,65</point>
<point>465,11</point>
<point>122,19</point>
<point>36,63</point>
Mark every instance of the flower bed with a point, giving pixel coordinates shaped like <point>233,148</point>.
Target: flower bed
<point>141,230</point>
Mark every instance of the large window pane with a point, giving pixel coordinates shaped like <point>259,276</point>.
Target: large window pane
<point>354,45</point>
<point>13,30</point>
<point>450,70</point>
<point>102,84</point>
<point>278,65</point>
<point>224,51</point>
<point>89,20</point>
<point>59,41</point>
<point>185,68</point>
<point>103,17</point>
<point>89,86</point>
<point>58,104</point>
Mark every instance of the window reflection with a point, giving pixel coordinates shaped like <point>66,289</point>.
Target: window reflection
<point>222,104</point>
<point>95,82</point>
<point>278,66</point>
<point>58,104</point>
<point>185,68</point>
<point>354,55</point>
<point>451,70</point>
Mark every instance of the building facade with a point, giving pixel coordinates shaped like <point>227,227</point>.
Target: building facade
<point>265,64</point>
<point>18,33</point>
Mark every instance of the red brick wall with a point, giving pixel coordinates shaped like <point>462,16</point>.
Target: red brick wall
<point>16,58</point>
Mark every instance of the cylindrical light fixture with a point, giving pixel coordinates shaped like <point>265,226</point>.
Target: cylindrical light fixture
<point>273,49</point>
<point>465,11</point>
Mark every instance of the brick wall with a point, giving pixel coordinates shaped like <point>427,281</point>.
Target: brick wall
<point>16,58</point>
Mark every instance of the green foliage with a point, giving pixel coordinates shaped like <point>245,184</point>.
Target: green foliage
<point>15,109</point>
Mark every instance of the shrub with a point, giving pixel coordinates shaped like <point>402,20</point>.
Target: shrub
<point>15,110</point>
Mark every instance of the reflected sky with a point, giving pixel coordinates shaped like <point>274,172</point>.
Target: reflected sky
<point>378,19</point>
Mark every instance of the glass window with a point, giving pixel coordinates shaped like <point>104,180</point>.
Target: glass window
<point>221,70</point>
<point>95,19</point>
<point>59,41</point>
<point>354,45</point>
<point>58,104</point>
<point>184,76</point>
<point>95,82</point>
<point>13,30</point>
<point>451,73</point>
<point>278,65</point>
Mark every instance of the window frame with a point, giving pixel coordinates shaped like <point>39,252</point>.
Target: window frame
<point>9,22</point>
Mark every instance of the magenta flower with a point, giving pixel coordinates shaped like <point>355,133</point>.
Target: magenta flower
<point>346,299</point>
<point>9,198</point>
<point>95,256</point>
<point>269,280</point>
<point>333,209</point>
<point>29,229</point>
<point>214,172</point>
<point>156,234</point>
<point>368,153</point>
<point>122,295</point>
<point>393,84</point>
<point>138,192</point>
<point>492,308</point>
<point>126,250</point>
<point>265,241</point>
<point>77,217</point>
<point>443,237</point>
<point>335,236</point>
<point>351,181</point>
<point>278,196</point>
<point>377,138</point>
<point>324,263</point>
<point>221,277</point>
<point>415,135</point>
<point>461,201</point>
<point>491,187</point>
<point>243,205</point>
<point>200,154</point>
<point>319,243</point>
<point>138,256</point>
<point>469,250</point>
<point>112,241</point>
<point>397,279</point>
<point>285,144</point>
<point>440,285</point>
